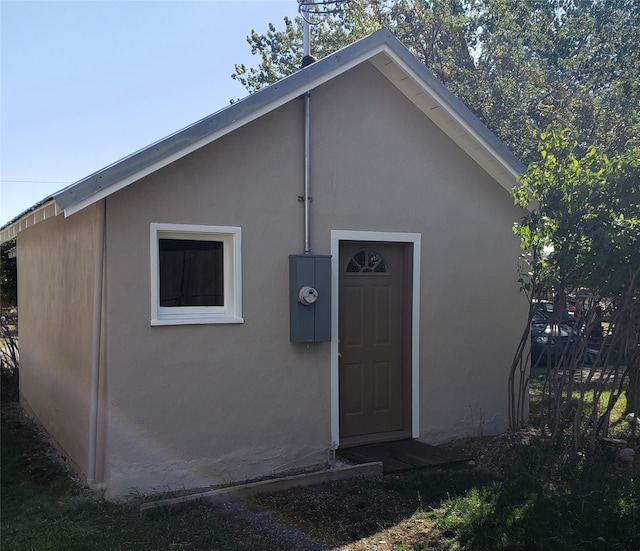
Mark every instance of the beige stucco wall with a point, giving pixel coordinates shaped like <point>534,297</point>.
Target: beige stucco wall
<point>198,405</point>
<point>56,263</point>
<point>409,177</point>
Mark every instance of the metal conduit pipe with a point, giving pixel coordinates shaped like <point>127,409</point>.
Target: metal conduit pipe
<point>96,346</point>
<point>307,171</point>
<point>306,49</point>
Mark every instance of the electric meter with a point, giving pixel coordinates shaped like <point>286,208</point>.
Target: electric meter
<point>307,295</point>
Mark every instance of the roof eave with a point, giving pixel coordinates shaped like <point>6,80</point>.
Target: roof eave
<point>497,160</point>
<point>381,48</point>
<point>163,152</point>
<point>43,210</point>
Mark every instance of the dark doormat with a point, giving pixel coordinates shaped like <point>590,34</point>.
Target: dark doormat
<point>402,455</point>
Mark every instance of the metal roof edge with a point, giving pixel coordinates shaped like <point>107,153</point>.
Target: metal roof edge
<point>148,159</point>
<point>307,78</point>
<point>42,210</point>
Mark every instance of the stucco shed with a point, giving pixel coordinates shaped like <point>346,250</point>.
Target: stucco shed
<point>158,307</point>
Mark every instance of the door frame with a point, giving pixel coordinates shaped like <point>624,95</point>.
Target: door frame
<point>388,237</point>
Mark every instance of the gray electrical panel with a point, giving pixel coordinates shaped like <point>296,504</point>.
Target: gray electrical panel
<point>310,297</point>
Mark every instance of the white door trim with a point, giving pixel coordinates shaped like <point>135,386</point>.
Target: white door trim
<point>390,237</point>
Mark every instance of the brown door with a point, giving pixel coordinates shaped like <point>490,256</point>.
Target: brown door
<point>374,333</point>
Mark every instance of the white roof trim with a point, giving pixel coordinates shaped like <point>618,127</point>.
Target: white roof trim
<point>41,212</point>
<point>444,122</point>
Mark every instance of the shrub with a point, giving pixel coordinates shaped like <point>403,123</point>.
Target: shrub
<point>9,362</point>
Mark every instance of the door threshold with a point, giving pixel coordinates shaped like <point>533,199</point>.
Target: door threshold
<point>402,455</point>
<point>377,438</point>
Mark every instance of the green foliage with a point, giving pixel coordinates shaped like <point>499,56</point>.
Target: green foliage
<point>281,54</point>
<point>567,63</point>
<point>544,502</point>
<point>434,31</point>
<point>9,368</point>
<point>518,65</point>
<point>8,275</point>
<point>583,235</point>
<point>585,230</point>
<point>527,513</point>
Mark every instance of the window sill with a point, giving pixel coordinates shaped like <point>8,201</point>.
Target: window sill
<point>196,320</point>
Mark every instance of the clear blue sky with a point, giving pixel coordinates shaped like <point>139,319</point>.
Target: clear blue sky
<point>85,83</point>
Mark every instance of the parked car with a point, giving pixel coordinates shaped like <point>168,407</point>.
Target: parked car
<point>551,343</point>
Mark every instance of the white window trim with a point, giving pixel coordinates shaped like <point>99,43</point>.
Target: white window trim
<point>231,312</point>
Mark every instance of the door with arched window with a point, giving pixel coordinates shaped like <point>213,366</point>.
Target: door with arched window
<point>374,341</point>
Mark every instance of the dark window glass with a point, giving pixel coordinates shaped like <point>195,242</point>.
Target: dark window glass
<point>191,273</point>
<point>367,261</point>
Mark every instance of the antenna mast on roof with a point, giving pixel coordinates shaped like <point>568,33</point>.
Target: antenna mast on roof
<point>308,8</point>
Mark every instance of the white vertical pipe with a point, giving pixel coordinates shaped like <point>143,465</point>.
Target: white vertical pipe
<point>307,171</point>
<point>96,344</point>
<point>306,50</point>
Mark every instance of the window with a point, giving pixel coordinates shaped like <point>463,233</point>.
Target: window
<point>367,261</point>
<point>195,274</point>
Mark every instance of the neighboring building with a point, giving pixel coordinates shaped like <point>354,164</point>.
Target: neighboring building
<point>155,296</point>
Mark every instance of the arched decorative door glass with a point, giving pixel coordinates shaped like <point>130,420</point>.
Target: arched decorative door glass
<point>367,261</point>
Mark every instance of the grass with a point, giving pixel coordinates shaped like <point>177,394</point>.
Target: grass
<point>618,427</point>
<point>536,503</point>
<point>524,513</point>
<point>462,509</point>
<point>44,509</point>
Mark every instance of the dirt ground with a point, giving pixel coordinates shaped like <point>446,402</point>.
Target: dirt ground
<point>356,515</point>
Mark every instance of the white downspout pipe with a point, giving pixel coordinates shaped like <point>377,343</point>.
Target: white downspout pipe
<point>98,293</point>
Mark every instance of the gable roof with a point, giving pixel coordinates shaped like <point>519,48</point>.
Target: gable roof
<point>382,49</point>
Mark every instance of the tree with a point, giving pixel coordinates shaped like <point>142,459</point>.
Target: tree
<point>434,31</point>
<point>281,51</point>
<point>519,65</point>
<point>571,63</point>
<point>582,237</point>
